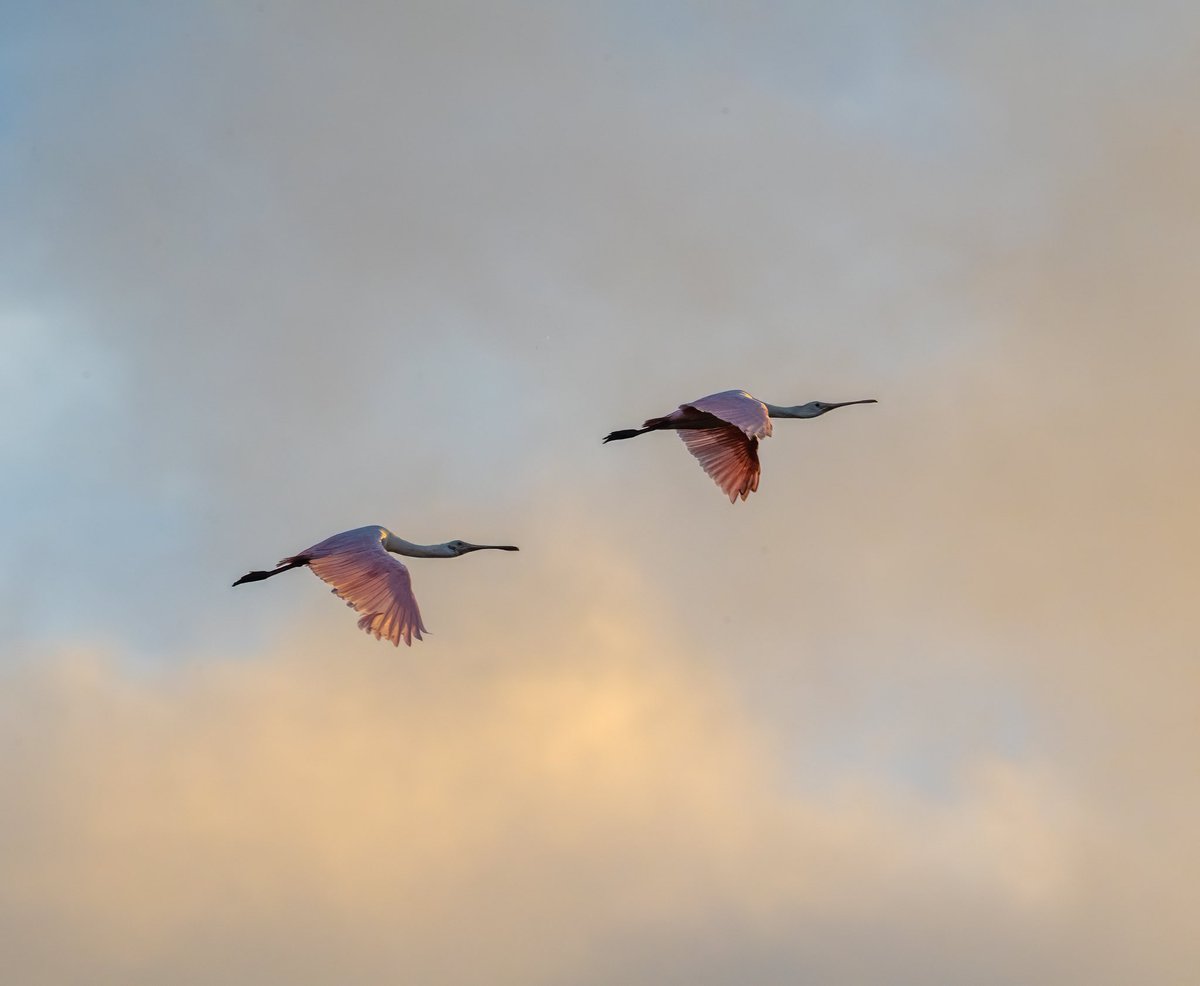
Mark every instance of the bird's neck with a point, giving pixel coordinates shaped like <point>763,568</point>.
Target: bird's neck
<point>775,411</point>
<point>401,547</point>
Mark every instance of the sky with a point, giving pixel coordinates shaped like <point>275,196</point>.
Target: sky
<point>922,710</point>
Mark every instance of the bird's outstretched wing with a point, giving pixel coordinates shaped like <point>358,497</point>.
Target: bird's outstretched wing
<point>371,581</point>
<point>729,456</point>
<point>746,413</point>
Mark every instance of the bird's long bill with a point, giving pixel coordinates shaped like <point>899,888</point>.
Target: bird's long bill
<point>497,547</point>
<point>869,400</point>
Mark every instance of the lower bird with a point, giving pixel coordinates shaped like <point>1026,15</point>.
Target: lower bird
<point>357,564</point>
<point>722,432</point>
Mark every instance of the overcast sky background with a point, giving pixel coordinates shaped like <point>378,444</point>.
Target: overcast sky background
<point>922,710</point>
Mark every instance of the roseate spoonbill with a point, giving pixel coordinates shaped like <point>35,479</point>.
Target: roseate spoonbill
<point>357,565</point>
<point>722,432</point>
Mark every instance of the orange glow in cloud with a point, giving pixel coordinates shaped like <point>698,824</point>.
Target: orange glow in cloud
<point>372,816</point>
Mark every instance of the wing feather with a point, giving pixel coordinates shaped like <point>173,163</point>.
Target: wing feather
<point>371,581</point>
<point>744,412</point>
<point>728,455</point>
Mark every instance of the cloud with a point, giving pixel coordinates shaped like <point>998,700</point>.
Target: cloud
<point>922,709</point>
<point>321,814</point>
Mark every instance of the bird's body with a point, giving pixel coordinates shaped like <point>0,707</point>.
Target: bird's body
<point>357,564</point>
<point>723,431</point>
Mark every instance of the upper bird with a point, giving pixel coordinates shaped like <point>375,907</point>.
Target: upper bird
<point>357,564</point>
<point>722,432</point>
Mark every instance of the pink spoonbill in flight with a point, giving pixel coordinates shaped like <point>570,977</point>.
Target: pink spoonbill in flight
<point>722,432</point>
<point>357,564</point>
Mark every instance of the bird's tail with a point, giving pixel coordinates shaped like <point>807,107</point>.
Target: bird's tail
<point>284,566</point>
<point>616,436</point>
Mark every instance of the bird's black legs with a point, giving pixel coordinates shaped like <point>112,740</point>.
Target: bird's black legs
<point>616,436</point>
<point>259,576</point>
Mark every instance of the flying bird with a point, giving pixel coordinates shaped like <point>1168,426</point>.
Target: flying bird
<point>357,564</point>
<point>722,432</point>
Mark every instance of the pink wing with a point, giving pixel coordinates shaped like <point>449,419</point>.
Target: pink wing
<point>728,456</point>
<point>744,412</point>
<point>372,582</point>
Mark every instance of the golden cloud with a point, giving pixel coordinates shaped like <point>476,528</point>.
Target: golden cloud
<point>374,813</point>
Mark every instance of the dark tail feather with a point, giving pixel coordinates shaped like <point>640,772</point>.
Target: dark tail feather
<point>616,436</point>
<point>259,576</point>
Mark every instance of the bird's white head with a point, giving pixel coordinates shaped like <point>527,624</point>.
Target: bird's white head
<point>814,409</point>
<point>456,548</point>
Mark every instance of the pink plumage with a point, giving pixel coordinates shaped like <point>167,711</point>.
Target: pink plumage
<point>730,454</point>
<point>371,582</point>
<point>736,407</point>
<point>722,432</point>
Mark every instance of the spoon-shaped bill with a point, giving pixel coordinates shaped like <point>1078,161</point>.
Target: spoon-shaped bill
<point>869,400</point>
